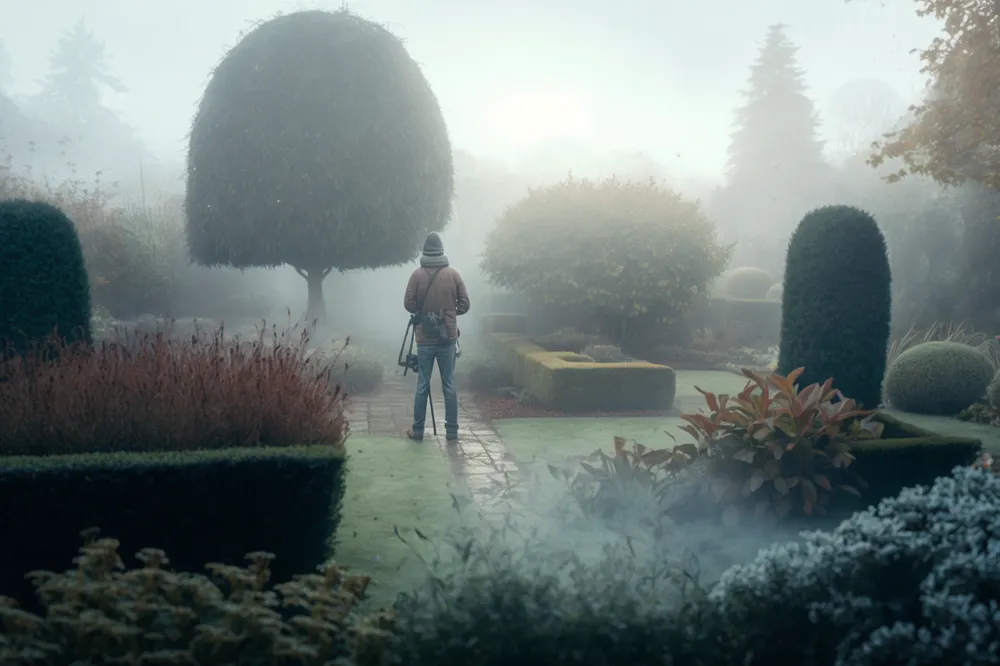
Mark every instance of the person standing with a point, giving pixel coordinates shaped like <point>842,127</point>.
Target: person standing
<point>436,296</point>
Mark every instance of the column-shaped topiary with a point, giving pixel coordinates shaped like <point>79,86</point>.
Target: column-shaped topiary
<point>836,304</point>
<point>43,280</point>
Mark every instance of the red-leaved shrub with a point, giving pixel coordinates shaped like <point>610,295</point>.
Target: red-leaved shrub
<point>156,394</point>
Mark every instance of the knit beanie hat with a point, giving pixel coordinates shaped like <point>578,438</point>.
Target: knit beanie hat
<point>433,247</point>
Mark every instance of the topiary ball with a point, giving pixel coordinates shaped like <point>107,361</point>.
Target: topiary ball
<point>940,378</point>
<point>747,282</point>
<point>44,289</point>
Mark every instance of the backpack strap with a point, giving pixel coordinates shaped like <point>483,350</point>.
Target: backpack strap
<point>423,301</point>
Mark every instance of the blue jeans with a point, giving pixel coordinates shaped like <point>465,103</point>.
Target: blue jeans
<point>444,353</point>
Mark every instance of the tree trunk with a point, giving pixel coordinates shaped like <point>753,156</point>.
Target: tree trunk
<point>316,305</point>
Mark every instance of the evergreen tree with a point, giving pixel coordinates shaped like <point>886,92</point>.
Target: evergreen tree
<point>775,171</point>
<point>74,89</point>
<point>6,71</point>
<point>88,135</point>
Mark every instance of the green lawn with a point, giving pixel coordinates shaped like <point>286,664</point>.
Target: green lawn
<point>393,483</point>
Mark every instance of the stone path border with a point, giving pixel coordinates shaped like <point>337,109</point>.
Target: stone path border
<point>479,460</point>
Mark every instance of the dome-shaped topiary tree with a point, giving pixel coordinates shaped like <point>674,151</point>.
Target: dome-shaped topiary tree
<point>747,282</point>
<point>631,255</point>
<point>318,143</point>
<point>43,278</point>
<point>938,377</point>
<point>836,303</point>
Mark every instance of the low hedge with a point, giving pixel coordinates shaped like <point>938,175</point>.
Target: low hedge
<point>906,456</point>
<point>199,506</point>
<point>746,321</point>
<point>739,322</point>
<point>575,383</point>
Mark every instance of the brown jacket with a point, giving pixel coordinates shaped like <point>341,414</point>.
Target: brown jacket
<point>447,295</point>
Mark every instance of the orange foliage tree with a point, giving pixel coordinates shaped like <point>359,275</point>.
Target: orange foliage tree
<point>954,134</point>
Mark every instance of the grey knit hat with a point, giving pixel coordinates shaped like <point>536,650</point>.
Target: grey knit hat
<point>433,247</point>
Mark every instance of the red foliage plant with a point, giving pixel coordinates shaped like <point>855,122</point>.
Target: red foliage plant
<point>776,445</point>
<point>158,394</point>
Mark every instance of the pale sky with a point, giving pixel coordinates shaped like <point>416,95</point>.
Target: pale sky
<point>661,76</point>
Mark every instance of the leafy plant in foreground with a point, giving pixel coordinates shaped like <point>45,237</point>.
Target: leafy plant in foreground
<point>775,445</point>
<point>623,481</point>
<point>101,612</point>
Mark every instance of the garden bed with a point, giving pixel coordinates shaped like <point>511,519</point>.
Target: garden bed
<point>569,382</point>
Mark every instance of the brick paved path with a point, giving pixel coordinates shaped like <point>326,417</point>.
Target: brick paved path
<point>479,460</point>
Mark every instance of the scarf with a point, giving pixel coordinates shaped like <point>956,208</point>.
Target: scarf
<point>440,261</point>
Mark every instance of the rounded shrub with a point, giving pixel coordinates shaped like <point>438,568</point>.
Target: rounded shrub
<point>938,378</point>
<point>482,375</point>
<point>775,292</point>
<point>836,303</point>
<point>43,277</point>
<point>747,282</point>
<point>914,580</point>
<point>632,255</point>
<point>355,369</point>
<point>343,155</point>
<point>133,257</point>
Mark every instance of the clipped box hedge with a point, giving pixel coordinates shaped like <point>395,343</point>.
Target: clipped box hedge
<point>199,506</point>
<point>573,383</point>
<point>906,456</point>
<point>751,322</point>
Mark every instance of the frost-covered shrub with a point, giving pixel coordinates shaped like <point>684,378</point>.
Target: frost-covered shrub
<point>914,580</point>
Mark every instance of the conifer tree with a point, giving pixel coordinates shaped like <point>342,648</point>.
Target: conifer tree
<point>775,171</point>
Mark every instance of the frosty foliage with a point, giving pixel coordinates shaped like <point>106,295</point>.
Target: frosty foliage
<point>914,580</point>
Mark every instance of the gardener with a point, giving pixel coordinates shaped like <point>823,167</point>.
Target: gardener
<point>435,296</point>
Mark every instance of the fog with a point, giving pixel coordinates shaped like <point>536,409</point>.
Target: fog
<point>643,90</point>
<point>530,92</point>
